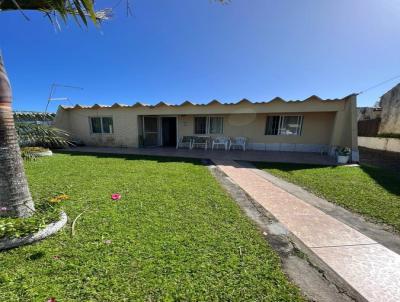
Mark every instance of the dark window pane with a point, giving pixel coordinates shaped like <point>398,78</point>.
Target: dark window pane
<point>95,124</point>
<point>150,130</point>
<point>200,125</point>
<point>272,127</point>
<point>150,124</point>
<point>151,139</point>
<point>108,125</point>
<point>216,125</point>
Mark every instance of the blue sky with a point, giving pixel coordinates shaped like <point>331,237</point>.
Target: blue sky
<point>175,50</point>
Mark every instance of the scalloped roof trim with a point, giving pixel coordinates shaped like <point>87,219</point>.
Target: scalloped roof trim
<point>312,98</point>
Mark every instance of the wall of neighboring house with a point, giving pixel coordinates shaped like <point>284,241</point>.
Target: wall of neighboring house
<point>386,114</point>
<point>368,113</point>
<point>390,115</point>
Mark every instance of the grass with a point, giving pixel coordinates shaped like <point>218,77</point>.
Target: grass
<point>373,192</point>
<point>175,235</point>
<point>19,227</point>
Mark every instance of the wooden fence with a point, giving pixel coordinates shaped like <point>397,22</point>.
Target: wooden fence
<point>369,128</point>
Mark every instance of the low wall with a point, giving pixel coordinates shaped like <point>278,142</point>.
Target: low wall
<point>380,143</point>
<point>288,147</point>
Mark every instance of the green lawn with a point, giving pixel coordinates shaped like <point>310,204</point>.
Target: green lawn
<point>174,236</point>
<point>370,191</point>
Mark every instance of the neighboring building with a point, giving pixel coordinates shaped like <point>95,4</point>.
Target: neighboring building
<point>312,125</point>
<point>369,120</point>
<point>390,116</point>
<point>383,118</point>
<point>368,113</point>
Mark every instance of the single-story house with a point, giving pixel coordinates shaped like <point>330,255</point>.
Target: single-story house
<point>311,125</point>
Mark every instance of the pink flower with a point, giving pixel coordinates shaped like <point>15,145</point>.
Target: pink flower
<point>2,209</point>
<point>115,196</point>
<point>52,299</point>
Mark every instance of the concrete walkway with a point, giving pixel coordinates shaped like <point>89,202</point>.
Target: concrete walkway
<point>368,268</point>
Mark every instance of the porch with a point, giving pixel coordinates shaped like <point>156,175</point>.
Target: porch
<point>304,132</point>
<point>251,155</point>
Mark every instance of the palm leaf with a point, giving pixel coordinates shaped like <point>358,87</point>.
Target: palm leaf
<point>34,135</point>
<point>28,155</point>
<point>83,9</point>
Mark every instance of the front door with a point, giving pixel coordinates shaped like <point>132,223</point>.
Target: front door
<point>169,131</point>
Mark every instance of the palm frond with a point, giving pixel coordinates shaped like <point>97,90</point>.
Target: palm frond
<point>41,135</point>
<point>32,116</point>
<point>82,10</point>
<point>28,155</point>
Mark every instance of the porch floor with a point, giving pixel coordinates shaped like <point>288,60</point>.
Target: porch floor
<point>250,155</point>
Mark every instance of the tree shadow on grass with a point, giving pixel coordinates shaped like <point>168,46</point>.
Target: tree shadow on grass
<point>387,179</point>
<point>36,256</point>
<point>159,159</point>
<point>288,167</point>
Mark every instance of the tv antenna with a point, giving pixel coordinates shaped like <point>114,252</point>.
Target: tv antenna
<point>53,89</point>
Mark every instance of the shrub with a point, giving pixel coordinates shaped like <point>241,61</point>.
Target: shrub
<point>343,151</point>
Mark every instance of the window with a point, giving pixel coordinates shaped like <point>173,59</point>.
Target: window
<point>95,123</point>
<point>101,124</point>
<point>284,125</point>
<point>291,125</point>
<point>208,125</point>
<point>272,125</point>
<point>216,125</point>
<point>150,124</point>
<point>107,124</point>
<point>200,125</point>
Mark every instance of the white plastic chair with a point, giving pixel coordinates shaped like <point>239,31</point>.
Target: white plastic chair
<point>238,142</point>
<point>200,141</point>
<point>185,142</point>
<point>220,141</point>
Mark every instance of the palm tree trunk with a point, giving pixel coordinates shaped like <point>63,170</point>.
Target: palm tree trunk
<point>15,198</point>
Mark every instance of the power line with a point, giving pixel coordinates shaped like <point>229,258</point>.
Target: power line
<point>117,4</point>
<point>379,84</point>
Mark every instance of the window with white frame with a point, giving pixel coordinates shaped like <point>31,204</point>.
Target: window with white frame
<point>284,125</point>
<point>208,125</point>
<point>101,125</point>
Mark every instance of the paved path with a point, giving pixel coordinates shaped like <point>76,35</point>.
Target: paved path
<point>372,270</point>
